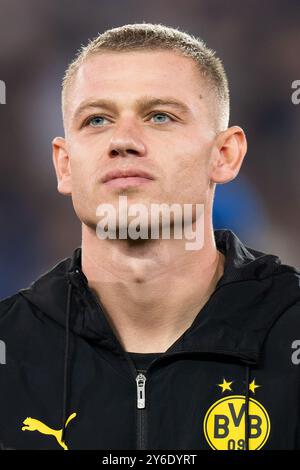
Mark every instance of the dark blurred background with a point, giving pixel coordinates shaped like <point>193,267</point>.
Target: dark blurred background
<point>259,42</point>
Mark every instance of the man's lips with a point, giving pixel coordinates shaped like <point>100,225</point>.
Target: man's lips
<point>126,178</point>
<point>128,181</point>
<point>124,174</point>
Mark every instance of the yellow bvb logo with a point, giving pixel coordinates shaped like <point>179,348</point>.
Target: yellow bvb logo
<point>224,424</point>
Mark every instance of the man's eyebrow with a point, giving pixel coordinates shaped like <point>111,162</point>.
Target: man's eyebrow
<point>142,104</point>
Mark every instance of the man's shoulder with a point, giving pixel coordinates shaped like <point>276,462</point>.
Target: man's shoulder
<point>7,303</point>
<point>52,279</point>
<point>12,310</point>
<point>287,324</point>
<point>292,313</point>
<point>15,308</point>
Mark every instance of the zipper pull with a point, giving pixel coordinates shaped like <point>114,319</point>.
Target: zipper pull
<point>140,382</point>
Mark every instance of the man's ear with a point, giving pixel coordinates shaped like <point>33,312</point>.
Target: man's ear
<point>228,155</point>
<point>61,163</point>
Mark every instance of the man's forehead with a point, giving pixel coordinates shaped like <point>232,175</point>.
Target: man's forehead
<point>107,75</point>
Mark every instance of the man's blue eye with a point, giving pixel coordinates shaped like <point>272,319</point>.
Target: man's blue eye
<point>161,114</point>
<point>96,121</point>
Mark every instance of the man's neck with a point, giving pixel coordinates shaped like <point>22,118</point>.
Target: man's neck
<point>152,290</point>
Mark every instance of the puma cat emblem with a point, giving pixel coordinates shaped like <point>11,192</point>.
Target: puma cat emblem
<point>32,424</point>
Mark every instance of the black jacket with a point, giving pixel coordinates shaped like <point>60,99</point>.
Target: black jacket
<point>67,382</point>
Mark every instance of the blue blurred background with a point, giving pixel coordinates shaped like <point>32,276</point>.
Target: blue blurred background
<point>259,43</point>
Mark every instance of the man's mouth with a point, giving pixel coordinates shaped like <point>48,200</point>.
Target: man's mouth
<point>127,181</point>
<point>126,178</point>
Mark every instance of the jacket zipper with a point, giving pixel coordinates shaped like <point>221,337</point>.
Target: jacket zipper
<point>140,378</point>
<point>141,409</point>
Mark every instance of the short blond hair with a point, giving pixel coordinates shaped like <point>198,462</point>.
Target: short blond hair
<point>151,37</point>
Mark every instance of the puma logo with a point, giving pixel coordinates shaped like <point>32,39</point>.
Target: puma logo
<point>32,424</point>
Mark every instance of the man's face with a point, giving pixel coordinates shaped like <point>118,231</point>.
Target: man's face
<point>172,143</point>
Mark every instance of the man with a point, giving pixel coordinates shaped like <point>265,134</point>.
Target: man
<point>137,342</point>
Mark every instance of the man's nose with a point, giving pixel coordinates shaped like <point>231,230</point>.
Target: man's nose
<point>125,142</point>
